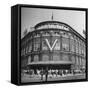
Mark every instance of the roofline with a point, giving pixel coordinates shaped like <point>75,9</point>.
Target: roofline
<point>44,22</point>
<point>41,23</point>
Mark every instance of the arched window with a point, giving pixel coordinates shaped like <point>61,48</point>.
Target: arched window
<point>36,58</point>
<point>29,59</point>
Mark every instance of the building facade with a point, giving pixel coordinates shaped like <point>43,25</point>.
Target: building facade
<point>53,45</point>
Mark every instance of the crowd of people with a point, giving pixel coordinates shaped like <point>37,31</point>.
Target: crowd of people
<point>45,73</point>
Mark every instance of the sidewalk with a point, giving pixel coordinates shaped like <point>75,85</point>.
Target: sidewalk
<point>37,78</point>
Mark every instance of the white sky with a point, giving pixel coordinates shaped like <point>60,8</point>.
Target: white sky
<point>32,16</point>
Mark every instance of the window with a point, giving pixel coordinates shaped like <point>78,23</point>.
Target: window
<point>36,35</point>
<point>56,57</point>
<point>77,60</point>
<point>57,45</point>
<point>84,50</point>
<point>44,45</point>
<point>24,62</point>
<point>45,58</point>
<point>36,58</point>
<point>65,57</point>
<point>36,45</point>
<point>83,62</point>
<point>27,49</point>
<point>65,44</point>
<point>72,45</point>
<point>29,59</point>
<point>80,47</point>
<point>77,47</point>
<point>73,59</point>
<point>80,61</point>
<point>30,47</point>
<point>24,51</point>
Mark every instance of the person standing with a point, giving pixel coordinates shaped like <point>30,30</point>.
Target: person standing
<point>46,74</point>
<point>41,72</point>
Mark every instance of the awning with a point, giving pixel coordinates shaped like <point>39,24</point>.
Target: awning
<point>50,62</point>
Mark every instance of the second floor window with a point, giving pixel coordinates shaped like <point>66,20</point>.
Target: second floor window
<point>65,44</point>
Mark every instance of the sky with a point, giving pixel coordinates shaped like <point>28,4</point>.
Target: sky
<point>32,16</point>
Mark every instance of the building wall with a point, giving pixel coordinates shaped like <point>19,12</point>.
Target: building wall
<point>68,47</point>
